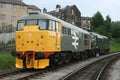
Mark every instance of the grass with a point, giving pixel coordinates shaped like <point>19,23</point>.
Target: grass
<point>114,45</point>
<point>6,61</point>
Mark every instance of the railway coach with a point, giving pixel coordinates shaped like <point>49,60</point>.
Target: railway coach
<point>43,40</point>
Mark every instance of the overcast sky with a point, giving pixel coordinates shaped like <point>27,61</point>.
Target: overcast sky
<point>87,7</point>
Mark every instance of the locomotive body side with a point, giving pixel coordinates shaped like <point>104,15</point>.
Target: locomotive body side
<point>74,39</point>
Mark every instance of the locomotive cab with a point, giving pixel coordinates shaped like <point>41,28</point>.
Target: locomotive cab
<point>36,40</point>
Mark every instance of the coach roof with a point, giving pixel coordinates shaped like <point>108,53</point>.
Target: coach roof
<point>99,35</point>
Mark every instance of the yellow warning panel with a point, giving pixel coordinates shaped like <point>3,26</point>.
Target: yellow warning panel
<point>19,63</point>
<point>42,63</point>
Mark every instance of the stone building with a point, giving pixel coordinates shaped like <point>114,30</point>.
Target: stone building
<point>12,10</point>
<point>85,23</point>
<point>70,14</point>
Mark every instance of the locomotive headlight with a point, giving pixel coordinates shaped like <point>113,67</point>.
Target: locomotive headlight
<point>30,34</point>
<point>19,36</point>
<point>41,37</point>
<point>37,44</point>
<point>42,49</point>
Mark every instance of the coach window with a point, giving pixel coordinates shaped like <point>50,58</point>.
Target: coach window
<point>66,31</point>
<point>20,25</point>
<point>62,29</point>
<point>86,41</point>
<point>69,31</point>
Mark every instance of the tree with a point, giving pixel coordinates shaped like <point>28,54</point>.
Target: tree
<point>115,30</point>
<point>108,23</point>
<point>97,20</point>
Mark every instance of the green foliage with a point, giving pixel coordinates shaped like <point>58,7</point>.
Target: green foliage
<point>114,45</point>
<point>97,20</point>
<point>11,41</point>
<point>107,24</point>
<point>115,30</point>
<point>6,61</point>
<point>2,43</point>
<point>107,28</point>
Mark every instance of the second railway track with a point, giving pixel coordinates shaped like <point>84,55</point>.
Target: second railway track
<point>92,71</point>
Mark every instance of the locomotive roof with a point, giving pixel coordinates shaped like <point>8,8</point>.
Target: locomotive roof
<point>99,35</point>
<point>36,15</point>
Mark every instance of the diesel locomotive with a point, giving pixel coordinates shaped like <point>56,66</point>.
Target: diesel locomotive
<point>43,40</point>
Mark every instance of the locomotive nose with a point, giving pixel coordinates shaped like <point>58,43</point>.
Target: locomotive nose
<point>30,41</point>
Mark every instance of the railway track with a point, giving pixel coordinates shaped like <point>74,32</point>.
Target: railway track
<point>93,71</point>
<point>22,74</point>
<point>60,72</point>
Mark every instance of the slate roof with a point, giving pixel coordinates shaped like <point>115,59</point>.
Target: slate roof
<point>33,7</point>
<point>63,9</point>
<point>86,18</point>
<point>17,2</point>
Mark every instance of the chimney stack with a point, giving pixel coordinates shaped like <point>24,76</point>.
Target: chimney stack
<point>44,10</point>
<point>58,7</point>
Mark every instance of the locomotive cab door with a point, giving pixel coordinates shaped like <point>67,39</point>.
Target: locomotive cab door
<point>58,36</point>
<point>55,27</point>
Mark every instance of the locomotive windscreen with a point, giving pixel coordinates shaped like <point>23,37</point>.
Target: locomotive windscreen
<point>43,24</point>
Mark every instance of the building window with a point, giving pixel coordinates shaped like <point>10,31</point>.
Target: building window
<point>73,22</point>
<point>62,16</point>
<point>2,5</point>
<point>13,7</point>
<point>13,18</point>
<point>72,12</point>
<point>88,22</point>
<point>2,16</point>
<point>84,22</point>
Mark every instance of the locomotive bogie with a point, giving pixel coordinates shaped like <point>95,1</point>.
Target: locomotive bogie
<point>32,63</point>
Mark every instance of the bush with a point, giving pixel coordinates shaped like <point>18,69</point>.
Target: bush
<point>6,61</point>
<point>114,45</point>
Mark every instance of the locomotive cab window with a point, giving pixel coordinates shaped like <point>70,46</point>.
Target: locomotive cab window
<point>20,25</point>
<point>43,24</point>
<point>53,26</point>
<point>31,22</point>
